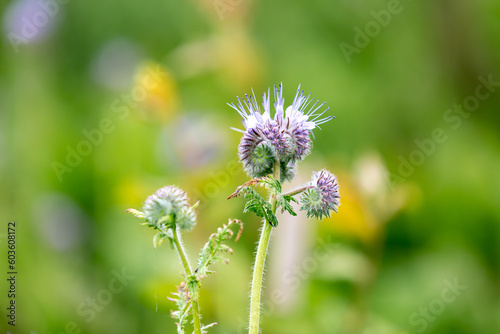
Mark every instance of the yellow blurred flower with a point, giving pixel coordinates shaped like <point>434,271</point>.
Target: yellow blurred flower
<point>368,199</point>
<point>354,217</point>
<point>162,99</point>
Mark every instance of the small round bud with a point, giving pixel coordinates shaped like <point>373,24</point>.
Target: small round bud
<point>168,207</point>
<point>323,197</point>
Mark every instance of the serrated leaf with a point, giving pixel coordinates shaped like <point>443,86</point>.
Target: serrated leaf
<point>261,207</point>
<point>210,252</point>
<point>193,287</point>
<point>290,198</point>
<point>284,203</point>
<point>273,185</point>
<point>255,202</point>
<point>158,238</point>
<point>136,213</point>
<point>205,327</point>
<point>183,304</point>
<point>161,236</point>
<point>272,220</point>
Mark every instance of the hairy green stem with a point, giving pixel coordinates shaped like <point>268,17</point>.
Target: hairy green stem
<point>297,191</point>
<point>189,272</point>
<point>260,260</point>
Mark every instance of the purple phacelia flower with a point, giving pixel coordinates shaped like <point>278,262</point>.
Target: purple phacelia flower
<point>284,137</point>
<point>323,195</point>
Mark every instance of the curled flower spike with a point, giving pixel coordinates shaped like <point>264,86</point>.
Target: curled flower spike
<point>323,196</point>
<point>168,207</point>
<point>285,137</point>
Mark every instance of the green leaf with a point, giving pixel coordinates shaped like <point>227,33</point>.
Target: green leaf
<point>255,202</point>
<point>158,239</point>
<point>272,219</point>
<point>183,302</point>
<point>205,327</point>
<point>258,205</point>
<point>284,203</point>
<point>272,184</point>
<point>214,246</point>
<point>193,287</point>
<point>136,213</point>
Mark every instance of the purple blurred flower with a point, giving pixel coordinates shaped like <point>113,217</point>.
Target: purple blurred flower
<point>28,21</point>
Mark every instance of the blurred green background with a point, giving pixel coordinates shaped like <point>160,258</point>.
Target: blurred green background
<point>102,103</point>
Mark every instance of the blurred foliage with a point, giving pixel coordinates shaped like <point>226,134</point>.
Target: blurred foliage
<point>83,78</point>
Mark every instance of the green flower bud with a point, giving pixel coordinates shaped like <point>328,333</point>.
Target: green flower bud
<point>168,208</point>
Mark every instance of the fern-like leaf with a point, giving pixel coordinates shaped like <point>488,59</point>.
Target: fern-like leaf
<point>215,245</point>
